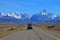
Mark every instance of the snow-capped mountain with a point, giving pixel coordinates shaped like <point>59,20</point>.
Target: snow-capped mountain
<point>57,19</point>
<point>15,15</point>
<point>14,18</point>
<point>44,17</point>
<point>44,12</point>
<point>19,18</point>
<point>53,16</point>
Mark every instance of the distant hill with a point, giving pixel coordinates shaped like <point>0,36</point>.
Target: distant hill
<point>45,17</point>
<point>18,18</point>
<point>14,18</point>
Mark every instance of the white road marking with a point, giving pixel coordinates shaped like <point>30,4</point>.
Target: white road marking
<point>49,34</point>
<point>30,35</point>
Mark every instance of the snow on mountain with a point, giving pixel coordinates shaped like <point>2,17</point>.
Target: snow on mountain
<point>14,18</point>
<point>15,15</point>
<point>43,17</point>
<point>57,19</point>
<point>3,14</point>
<point>53,16</point>
<point>44,12</point>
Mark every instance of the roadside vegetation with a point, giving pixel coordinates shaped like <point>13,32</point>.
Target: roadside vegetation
<point>6,29</point>
<point>54,28</point>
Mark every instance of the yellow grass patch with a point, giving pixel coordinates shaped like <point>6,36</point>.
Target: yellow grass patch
<point>6,29</point>
<point>44,27</point>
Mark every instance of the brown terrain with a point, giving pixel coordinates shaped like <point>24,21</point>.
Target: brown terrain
<point>6,29</point>
<point>54,28</point>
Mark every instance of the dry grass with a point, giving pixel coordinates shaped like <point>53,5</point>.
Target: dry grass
<point>55,30</point>
<point>6,29</point>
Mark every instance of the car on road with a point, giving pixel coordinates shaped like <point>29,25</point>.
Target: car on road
<point>29,26</point>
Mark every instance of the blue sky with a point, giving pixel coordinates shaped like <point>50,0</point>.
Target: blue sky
<point>30,6</point>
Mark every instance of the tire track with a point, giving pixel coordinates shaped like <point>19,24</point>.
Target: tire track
<point>35,34</point>
<point>38,35</point>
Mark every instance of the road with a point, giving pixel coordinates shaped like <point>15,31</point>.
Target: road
<point>35,34</point>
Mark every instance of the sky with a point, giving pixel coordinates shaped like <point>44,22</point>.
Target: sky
<point>29,6</point>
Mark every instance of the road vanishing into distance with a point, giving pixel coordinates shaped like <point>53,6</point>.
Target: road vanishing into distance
<point>35,34</point>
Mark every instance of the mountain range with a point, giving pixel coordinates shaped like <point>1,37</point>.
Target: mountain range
<point>19,18</point>
<point>45,17</point>
<point>14,18</point>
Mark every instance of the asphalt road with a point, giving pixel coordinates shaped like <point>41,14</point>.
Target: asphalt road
<point>35,34</point>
